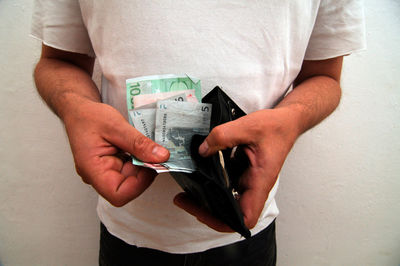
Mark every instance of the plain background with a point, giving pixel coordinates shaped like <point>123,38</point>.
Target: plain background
<point>340,187</point>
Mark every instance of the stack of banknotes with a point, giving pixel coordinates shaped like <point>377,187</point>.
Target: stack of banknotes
<point>167,109</point>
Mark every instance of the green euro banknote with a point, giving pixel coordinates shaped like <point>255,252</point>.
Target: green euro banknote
<point>160,84</point>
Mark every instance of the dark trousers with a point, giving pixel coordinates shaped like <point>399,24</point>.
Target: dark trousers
<point>258,250</point>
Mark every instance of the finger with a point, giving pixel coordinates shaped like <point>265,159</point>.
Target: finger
<point>131,140</point>
<point>183,201</point>
<point>120,183</point>
<point>224,136</point>
<point>252,203</point>
<point>140,176</point>
<point>128,169</point>
<point>254,187</point>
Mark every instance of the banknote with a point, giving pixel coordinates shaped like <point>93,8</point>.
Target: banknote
<point>144,121</point>
<point>143,117</point>
<point>146,101</point>
<point>160,84</point>
<point>176,123</point>
<point>155,166</point>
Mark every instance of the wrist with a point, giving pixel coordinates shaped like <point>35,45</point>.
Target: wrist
<point>291,121</point>
<point>72,106</point>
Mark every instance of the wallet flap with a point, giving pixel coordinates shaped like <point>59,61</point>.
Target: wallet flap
<point>224,109</point>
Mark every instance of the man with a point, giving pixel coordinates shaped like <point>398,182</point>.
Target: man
<point>255,50</point>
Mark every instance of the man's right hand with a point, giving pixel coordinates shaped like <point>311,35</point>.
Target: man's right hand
<point>97,134</point>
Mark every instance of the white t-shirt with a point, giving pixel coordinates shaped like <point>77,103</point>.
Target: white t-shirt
<point>252,49</point>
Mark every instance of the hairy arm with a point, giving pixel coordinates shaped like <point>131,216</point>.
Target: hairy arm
<point>62,77</point>
<point>316,92</point>
<point>269,136</point>
<point>97,132</point>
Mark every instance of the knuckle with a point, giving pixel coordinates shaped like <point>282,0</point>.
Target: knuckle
<point>140,143</point>
<point>81,172</point>
<point>256,130</point>
<point>252,224</point>
<point>218,134</point>
<point>116,202</point>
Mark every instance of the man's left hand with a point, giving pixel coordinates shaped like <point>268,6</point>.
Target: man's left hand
<point>268,135</point>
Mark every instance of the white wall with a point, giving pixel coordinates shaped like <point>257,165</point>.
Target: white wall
<point>340,187</point>
<point>47,215</point>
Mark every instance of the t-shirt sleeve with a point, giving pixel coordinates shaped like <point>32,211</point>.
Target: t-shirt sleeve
<point>339,30</point>
<point>59,24</point>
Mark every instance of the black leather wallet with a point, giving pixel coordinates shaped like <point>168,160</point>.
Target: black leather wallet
<point>214,184</point>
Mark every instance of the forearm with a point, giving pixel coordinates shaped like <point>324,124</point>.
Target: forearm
<point>63,86</point>
<point>96,131</point>
<point>268,135</point>
<point>311,101</point>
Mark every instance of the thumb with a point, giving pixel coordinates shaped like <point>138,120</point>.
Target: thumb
<point>131,140</point>
<point>227,135</point>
